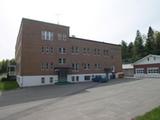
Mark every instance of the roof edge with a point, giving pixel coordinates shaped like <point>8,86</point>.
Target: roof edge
<point>95,41</point>
<point>43,22</point>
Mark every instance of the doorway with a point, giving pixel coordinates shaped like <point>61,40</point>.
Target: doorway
<point>62,76</point>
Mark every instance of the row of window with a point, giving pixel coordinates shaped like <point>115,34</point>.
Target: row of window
<point>73,78</point>
<point>75,66</point>
<point>49,36</point>
<point>43,80</point>
<point>149,70</point>
<point>76,78</point>
<point>89,50</point>
<point>73,50</point>
<point>47,65</point>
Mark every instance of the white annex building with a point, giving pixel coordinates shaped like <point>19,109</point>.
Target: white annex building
<point>148,66</point>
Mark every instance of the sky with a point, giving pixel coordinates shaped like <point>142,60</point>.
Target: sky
<point>101,20</point>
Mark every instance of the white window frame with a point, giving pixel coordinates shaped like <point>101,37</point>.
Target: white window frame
<point>139,70</point>
<point>151,70</point>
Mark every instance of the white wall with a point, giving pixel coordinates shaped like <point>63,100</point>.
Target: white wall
<point>150,61</point>
<point>81,77</point>
<point>153,75</point>
<point>25,81</point>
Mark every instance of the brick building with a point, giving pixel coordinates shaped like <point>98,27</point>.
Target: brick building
<point>148,66</point>
<point>45,54</point>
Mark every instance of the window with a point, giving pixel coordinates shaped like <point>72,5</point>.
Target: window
<point>98,51</point>
<point>42,66</point>
<point>88,50</point>
<point>46,35</point>
<point>64,37</point>
<point>105,52</point>
<point>51,50</point>
<point>72,49</point>
<point>42,80</point>
<point>75,49</point>
<point>46,65</point>
<point>42,49</point>
<point>47,50</point>
<point>140,71</point>
<point>148,58</point>
<point>86,77</point>
<point>62,60</point>
<point>97,66</point>
<point>73,78</point>
<point>153,70</point>
<point>51,65</point>
<point>154,58</point>
<point>51,79</point>
<point>59,36</point>
<point>77,78</point>
<point>84,50</point>
<point>86,66</point>
<point>62,50</point>
<point>75,66</point>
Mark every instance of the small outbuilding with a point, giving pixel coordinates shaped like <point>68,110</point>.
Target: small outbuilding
<point>128,70</point>
<point>148,66</point>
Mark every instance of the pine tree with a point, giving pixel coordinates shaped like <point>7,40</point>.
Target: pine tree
<point>138,46</point>
<point>150,41</point>
<point>130,51</point>
<point>124,50</point>
<point>157,46</point>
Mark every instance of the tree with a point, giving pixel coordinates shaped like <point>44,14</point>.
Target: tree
<point>138,46</point>
<point>157,46</point>
<point>124,50</point>
<point>130,51</point>
<point>150,41</point>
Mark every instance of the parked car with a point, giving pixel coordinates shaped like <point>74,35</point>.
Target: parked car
<point>100,79</point>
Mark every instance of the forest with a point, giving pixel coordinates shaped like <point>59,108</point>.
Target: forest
<point>142,45</point>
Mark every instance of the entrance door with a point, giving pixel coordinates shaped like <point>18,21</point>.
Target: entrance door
<point>62,76</point>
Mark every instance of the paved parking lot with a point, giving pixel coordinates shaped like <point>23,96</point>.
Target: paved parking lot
<point>116,100</point>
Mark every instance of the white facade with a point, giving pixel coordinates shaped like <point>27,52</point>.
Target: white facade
<point>26,81</point>
<point>149,59</point>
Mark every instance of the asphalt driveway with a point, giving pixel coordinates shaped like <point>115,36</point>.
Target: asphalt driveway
<point>116,100</point>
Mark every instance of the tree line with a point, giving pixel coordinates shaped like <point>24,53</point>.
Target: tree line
<point>143,45</point>
<point>4,65</point>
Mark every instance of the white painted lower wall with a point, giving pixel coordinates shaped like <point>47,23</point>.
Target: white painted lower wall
<point>26,81</point>
<point>152,75</point>
<point>82,76</point>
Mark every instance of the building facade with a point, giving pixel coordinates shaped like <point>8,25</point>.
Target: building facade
<point>46,54</point>
<point>148,66</point>
<point>128,70</point>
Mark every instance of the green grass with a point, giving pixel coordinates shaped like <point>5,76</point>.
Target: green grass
<point>8,85</point>
<point>152,115</point>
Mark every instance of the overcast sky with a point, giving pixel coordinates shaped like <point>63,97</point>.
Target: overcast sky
<point>102,20</point>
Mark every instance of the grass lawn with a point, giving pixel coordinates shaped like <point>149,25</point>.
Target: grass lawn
<point>152,115</point>
<point>8,85</point>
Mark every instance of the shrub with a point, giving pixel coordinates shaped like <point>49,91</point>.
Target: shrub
<point>4,79</point>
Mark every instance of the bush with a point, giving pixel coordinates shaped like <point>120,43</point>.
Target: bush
<point>4,79</point>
